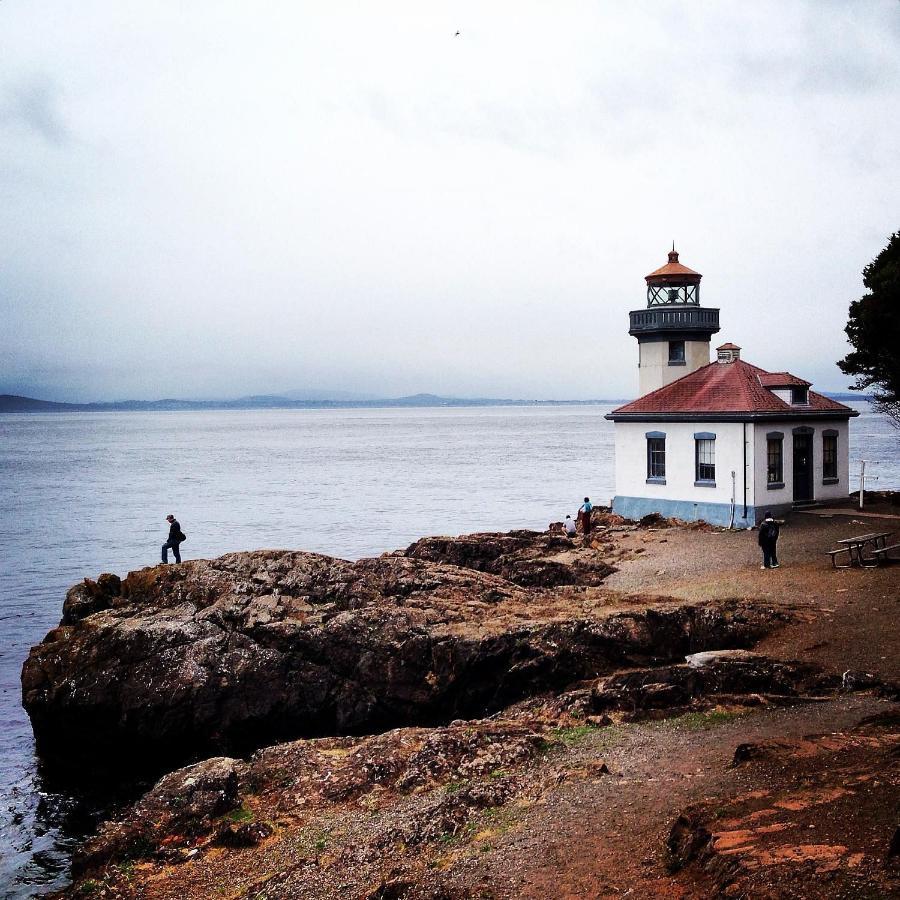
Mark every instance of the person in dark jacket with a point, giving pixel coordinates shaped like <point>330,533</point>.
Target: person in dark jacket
<point>768,538</point>
<point>175,538</point>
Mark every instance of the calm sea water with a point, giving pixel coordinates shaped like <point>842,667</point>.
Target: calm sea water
<point>86,493</point>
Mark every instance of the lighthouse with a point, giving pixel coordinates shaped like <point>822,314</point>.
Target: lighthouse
<point>723,441</point>
<point>673,331</point>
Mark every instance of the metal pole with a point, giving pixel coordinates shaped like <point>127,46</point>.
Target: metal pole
<point>862,482</point>
<point>733,498</point>
<point>745,471</point>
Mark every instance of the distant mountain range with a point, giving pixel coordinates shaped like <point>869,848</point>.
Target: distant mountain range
<point>11,403</point>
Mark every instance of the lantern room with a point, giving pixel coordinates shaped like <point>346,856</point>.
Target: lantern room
<point>673,284</point>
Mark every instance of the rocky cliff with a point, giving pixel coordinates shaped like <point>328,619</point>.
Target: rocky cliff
<point>470,717</point>
<point>226,655</point>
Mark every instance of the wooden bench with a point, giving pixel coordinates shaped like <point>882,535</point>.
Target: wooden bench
<point>882,553</point>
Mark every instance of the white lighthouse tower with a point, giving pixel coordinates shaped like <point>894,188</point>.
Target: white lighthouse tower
<point>674,331</point>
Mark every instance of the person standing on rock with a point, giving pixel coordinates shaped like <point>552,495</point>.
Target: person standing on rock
<point>176,536</point>
<point>585,511</point>
<point>768,538</point>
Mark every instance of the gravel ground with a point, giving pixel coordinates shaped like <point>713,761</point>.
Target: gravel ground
<point>599,838</point>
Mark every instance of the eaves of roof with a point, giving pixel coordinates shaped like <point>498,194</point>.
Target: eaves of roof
<point>764,416</point>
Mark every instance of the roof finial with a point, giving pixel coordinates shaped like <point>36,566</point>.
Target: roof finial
<point>673,245</point>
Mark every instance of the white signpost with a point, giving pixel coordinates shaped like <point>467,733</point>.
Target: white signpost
<point>862,481</point>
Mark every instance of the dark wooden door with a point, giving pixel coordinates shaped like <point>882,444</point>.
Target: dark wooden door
<point>803,468</point>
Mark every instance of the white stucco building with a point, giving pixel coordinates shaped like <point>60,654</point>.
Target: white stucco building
<point>722,441</point>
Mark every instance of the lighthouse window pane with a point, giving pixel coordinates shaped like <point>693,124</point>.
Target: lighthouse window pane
<point>829,456</point>
<point>706,460</point>
<point>774,461</point>
<point>676,351</point>
<point>656,457</point>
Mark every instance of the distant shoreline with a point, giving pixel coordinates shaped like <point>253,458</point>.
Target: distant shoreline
<point>10,403</point>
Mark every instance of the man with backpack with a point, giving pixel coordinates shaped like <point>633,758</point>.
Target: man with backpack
<point>768,538</point>
<point>176,536</point>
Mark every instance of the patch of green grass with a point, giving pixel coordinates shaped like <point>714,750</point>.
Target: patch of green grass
<point>462,835</point>
<point>454,787</point>
<point>603,736</point>
<point>88,888</point>
<point>500,773</point>
<point>316,840</point>
<point>126,869</point>
<point>575,733</point>
<point>241,814</point>
<point>697,721</point>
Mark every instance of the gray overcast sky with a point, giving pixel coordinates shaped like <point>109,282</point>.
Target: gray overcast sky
<point>214,198</point>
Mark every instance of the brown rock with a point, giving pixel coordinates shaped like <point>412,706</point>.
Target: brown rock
<point>226,655</point>
<point>808,822</point>
<point>176,814</point>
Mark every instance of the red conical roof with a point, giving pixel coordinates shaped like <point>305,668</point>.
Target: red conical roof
<point>673,268</point>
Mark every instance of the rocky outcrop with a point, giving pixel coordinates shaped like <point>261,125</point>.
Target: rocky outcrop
<point>90,596</point>
<point>729,676</point>
<point>183,809</point>
<point>817,817</point>
<point>226,655</point>
<point>526,558</point>
<point>425,785</point>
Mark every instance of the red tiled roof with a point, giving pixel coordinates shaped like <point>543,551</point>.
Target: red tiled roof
<point>781,379</point>
<point>728,388</point>
<point>728,346</point>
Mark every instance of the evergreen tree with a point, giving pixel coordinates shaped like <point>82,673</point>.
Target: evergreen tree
<point>873,329</point>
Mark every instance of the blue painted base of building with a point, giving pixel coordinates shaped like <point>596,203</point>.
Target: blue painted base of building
<point>689,511</point>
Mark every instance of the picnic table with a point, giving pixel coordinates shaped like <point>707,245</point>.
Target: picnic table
<point>856,547</point>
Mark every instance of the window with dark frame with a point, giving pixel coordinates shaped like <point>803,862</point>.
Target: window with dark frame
<point>799,396</point>
<point>775,461</point>
<point>676,351</point>
<point>705,459</point>
<point>656,457</point>
<point>829,456</point>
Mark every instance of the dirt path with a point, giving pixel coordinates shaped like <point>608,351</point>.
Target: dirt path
<point>599,837</point>
<point>846,618</point>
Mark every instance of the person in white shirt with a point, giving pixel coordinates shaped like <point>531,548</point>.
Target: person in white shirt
<point>569,525</point>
